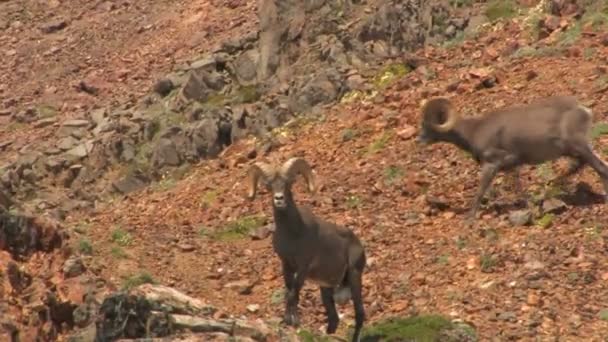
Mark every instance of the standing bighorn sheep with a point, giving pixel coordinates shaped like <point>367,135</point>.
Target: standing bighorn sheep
<point>311,248</point>
<point>506,138</point>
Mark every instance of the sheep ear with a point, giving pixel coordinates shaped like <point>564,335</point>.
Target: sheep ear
<point>294,166</point>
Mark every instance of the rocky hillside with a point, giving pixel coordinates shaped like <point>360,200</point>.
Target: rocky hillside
<point>127,129</point>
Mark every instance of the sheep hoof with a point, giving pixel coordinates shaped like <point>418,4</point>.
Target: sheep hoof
<point>291,319</point>
<point>331,328</point>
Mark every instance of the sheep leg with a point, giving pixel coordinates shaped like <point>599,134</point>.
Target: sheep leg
<point>488,172</point>
<point>589,157</point>
<point>576,164</point>
<point>333,319</point>
<point>288,275</point>
<point>293,298</point>
<point>289,279</point>
<point>356,288</point>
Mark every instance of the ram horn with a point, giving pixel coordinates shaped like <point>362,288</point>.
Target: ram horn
<point>294,166</point>
<point>431,110</point>
<point>254,173</point>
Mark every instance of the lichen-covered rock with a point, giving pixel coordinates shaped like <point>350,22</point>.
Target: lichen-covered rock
<point>23,235</point>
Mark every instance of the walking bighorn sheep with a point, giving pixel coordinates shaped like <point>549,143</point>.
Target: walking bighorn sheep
<point>311,248</point>
<point>506,138</point>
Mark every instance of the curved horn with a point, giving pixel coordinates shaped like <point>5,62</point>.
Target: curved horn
<point>431,110</point>
<point>294,166</point>
<point>254,173</point>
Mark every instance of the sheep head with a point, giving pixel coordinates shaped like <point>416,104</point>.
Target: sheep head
<point>279,180</point>
<point>438,118</point>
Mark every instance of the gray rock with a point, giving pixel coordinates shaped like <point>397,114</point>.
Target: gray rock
<point>6,143</point>
<point>261,233</point>
<point>507,316</point>
<point>205,138</point>
<point>166,153</point>
<point>245,67</point>
<point>163,87</point>
<point>320,89</point>
<point>45,122</point>
<point>207,63</point>
<point>130,183</point>
<point>52,151</point>
<point>76,123</point>
<point>195,88</point>
<point>554,206</point>
<point>55,165</point>
<point>79,151</point>
<point>520,217</point>
<point>53,26</point>
<point>186,247</point>
<point>258,332</point>
<point>178,302</point>
<point>128,151</point>
<point>73,267</point>
<point>253,308</point>
<point>98,116</point>
<point>67,143</point>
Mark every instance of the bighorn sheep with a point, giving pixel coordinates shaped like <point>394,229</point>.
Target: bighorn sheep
<point>311,248</point>
<point>508,137</point>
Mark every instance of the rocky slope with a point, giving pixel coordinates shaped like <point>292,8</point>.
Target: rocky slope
<point>191,120</point>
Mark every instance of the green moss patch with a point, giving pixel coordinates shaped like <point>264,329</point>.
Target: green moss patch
<point>424,328</point>
<point>238,229</point>
<point>389,74</point>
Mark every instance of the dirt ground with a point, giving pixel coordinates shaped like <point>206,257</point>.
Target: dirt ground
<point>405,201</point>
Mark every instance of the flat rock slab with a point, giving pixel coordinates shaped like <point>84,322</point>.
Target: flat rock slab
<point>76,123</point>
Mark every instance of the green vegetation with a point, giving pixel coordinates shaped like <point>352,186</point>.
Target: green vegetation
<point>352,96</point>
<point>216,100</point>
<point>545,172</point>
<point>393,174</point>
<point>85,247</point>
<point>46,111</point>
<point>349,134</point>
<point>353,201</point>
<point>498,9</point>
<point>136,280</point>
<point>308,336</point>
<point>118,253</point>
<point>239,228</point>
<point>378,144</point>
<point>164,184</point>
<point>461,3</point>
<point>277,297</point>
<point>461,243</point>
<point>571,35</point>
<point>588,53</point>
<point>487,263</point>
<point>599,129</point>
<point>121,237</point>
<point>424,328</point>
<point>208,198</point>
<point>544,51</point>
<point>247,94</point>
<point>82,228</point>
<point>443,259</point>
<point>14,126</point>
<point>545,221</point>
<point>389,74</point>
<point>603,314</point>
